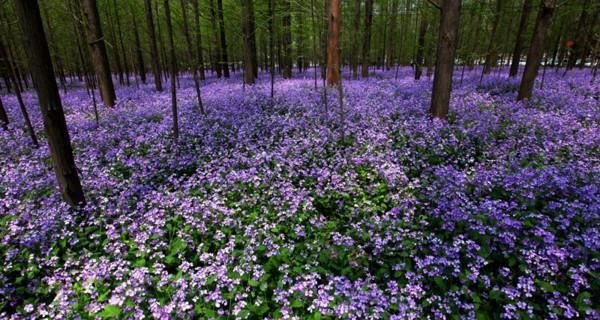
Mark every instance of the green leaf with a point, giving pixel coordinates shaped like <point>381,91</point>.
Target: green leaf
<point>110,311</point>
<point>253,283</point>
<point>545,285</point>
<point>297,304</point>
<point>439,281</point>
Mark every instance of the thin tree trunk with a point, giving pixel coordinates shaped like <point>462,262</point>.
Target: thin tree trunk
<point>271,52</point>
<point>153,48</point>
<point>491,56</point>
<point>333,48</point>
<point>98,52</point>
<point>421,43</point>
<point>314,27</point>
<point>190,50</point>
<point>579,45</point>
<point>536,49</point>
<point>355,43</point>
<point>199,56</point>
<point>516,56</point>
<point>217,43</point>
<point>224,58</point>
<point>55,125</point>
<point>287,40</point>
<point>173,69</point>
<point>446,50</point>
<point>138,48</point>
<point>391,54</point>
<point>120,33</point>
<point>249,42</point>
<point>367,38</point>
<point>3,115</point>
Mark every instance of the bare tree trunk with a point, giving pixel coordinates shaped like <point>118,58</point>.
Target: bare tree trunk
<point>153,48</point>
<point>491,56</point>
<point>55,125</point>
<point>516,56</point>
<point>249,42</point>
<point>421,43</point>
<point>173,69</point>
<point>98,52</point>
<point>287,40</point>
<point>190,50</point>
<point>444,65</point>
<point>355,43</point>
<point>138,48</point>
<point>120,33</point>
<point>367,38</point>
<point>536,49</point>
<point>333,48</point>
<point>579,44</point>
<point>199,56</point>
<point>271,52</point>
<point>217,43</point>
<point>114,48</point>
<point>315,57</point>
<point>3,115</point>
<point>391,54</point>
<point>224,58</point>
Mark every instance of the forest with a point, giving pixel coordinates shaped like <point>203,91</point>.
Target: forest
<point>299,159</point>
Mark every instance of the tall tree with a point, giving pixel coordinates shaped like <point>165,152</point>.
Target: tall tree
<point>333,48</point>
<point>580,35</point>
<point>286,43</point>
<point>153,48</point>
<point>98,52</point>
<point>446,50</point>
<point>271,51</point>
<point>138,47</point>
<point>355,44</point>
<point>424,24</point>
<point>191,56</point>
<point>199,56</point>
<point>536,49</point>
<point>217,43</point>
<point>173,70</point>
<point>224,56</point>
<point>121,44</point>
<point>249,42</point>
<point>491,55</point>
<point>516,55</point>
<point>55,125</point>
<point>367,38</point>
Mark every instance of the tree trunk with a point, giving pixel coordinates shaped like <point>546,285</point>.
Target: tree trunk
<point>444,65</point>
<point>421,43</point>
<point>224,57</point>
<point>173,69</point>
<point>355,43</point>
<point>491,56</point>
<point>55,125</point>
<point>120,33</point>
<point>98,52</point>
<point>3,115</point>
<point>578,46</point>
<point>199,56</point>
<point>333,47</point>
<point>287,40</point>
<point>271,51</point>
<point>249,42</point>
<point>367,38</point>
<point>138,48</point>
<point>391,54</point>
<point>153,48</point>
<point>112,44</point>
<point>191,55</point>
<point>516,56</point>
<point>536,49</point>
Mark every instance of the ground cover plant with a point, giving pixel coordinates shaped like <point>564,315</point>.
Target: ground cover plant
<point>263,211</point>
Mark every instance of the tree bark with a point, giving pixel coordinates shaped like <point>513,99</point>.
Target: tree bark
<point>173,69</point>
<point>3,115</point>
<point>190,50</point>
<point>444,65</point>
<point>249,42</point>
<point>55,125</point>
<point>536,49</point>
<point>421,44</point>
<point>224,57</point>
<point>138,48</point>
<point>217,42</point>
<point>333,48</point>
<point>367,38</point>
<point>578,46</point>
<point>98,52</point>
<point>355,44</point>
<point>516,55</point>
<point>120,33</point>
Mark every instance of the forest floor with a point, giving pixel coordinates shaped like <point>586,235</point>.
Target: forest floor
<point>264,211</point>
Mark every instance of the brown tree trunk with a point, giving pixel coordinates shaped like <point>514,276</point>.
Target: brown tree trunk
<point>355,43</point>
<point>138,48</point>
<point>286,68</point>
<point>190,49</point>
<point>217,43</point>
<point>367,38</point>
<point>249,42</point>
<point>120,33</point>
<point>114,48</point>
<point>199,56</point>
<point>444,65</point>
<point>391,54</point>
<point>98,52</point>
<point>492,56</point>
<point>3,115</point>
<point>516,56</point>
<point>224,57</point>
<point>333,47</point>
<point>580,35</point>
<point>153,48</point>
<point>421,43</point>
<point>55,125</point>
<point>536,49</point>
<point>173,69</point>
